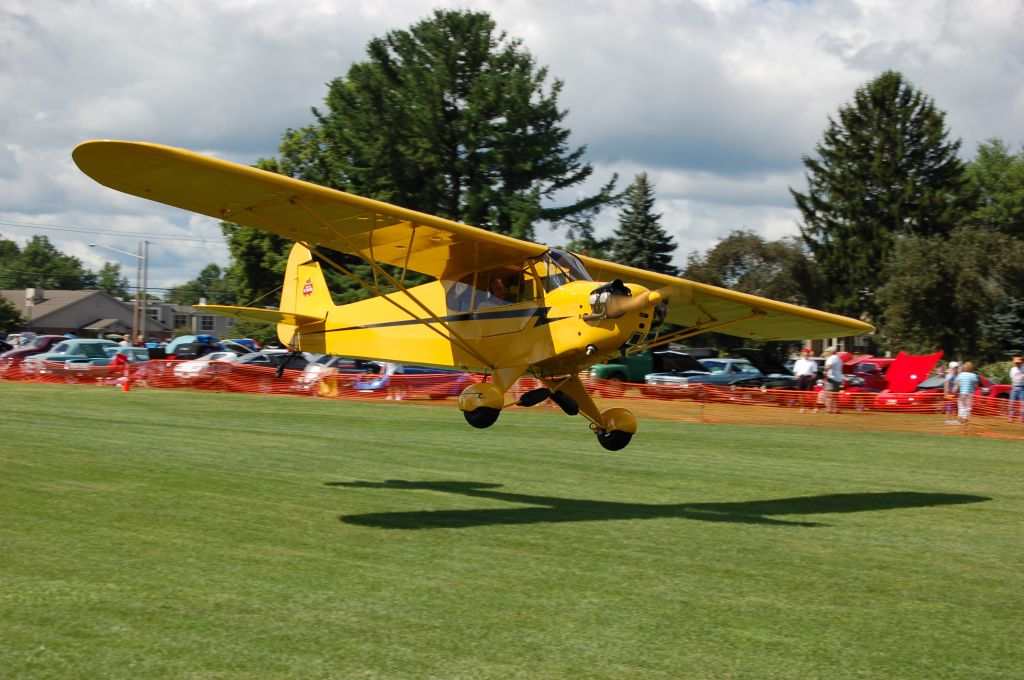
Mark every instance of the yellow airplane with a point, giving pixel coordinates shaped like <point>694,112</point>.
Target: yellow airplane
<point>496,305</point>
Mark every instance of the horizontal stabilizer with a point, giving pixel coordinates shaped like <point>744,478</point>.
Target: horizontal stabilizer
<point>260,314</point>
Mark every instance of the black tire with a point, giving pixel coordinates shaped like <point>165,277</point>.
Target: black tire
<point>482,417</point>
<point>614,440</point>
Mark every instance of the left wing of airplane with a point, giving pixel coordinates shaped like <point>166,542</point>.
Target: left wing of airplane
<point>372,230</point>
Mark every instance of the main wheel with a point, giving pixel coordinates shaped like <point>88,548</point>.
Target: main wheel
<point>482,417</point>
<point>614,440</point>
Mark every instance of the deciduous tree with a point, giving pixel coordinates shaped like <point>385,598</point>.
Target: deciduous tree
<point>745,261</point>
<point>213,284</point>
<point>111,281</point>
<point>41,265</point>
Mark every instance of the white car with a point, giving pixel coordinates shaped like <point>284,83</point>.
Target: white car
<point>192,369</point>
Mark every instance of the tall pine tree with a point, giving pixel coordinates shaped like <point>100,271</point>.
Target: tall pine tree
<point>453,118</point>
<point>449,117</point>
<point>883,169</point>
<point>640,241</point>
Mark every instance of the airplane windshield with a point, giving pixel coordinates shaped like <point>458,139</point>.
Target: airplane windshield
<point>559,267</point>
<point>571,264</point>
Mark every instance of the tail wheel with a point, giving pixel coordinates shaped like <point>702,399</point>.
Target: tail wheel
<point>614,440</point>
<point>482,417</point>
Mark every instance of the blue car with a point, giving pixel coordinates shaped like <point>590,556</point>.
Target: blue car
<point>78,350</point>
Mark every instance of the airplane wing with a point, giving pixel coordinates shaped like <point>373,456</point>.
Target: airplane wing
<point>692,304</point>
<point>298,210</point>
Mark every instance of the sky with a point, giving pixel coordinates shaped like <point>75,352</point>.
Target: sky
<point>717,100</point>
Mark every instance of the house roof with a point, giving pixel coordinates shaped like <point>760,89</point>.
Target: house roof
<point>54,301</point>
<point>107,324</point>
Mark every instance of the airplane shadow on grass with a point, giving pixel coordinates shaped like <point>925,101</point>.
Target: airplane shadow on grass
<point>541,509</point>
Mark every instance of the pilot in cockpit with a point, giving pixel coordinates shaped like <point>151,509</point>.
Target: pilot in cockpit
<point>496,293</point>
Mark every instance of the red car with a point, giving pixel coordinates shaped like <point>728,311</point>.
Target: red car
<point>871,371</point>
<point>904,375</point>
<point>930,393</point>
<point>39,344</point>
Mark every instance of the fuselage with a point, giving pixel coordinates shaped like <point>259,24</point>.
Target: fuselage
<point>548,334</point>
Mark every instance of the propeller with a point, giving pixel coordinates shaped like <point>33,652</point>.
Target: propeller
<point>620,305</point>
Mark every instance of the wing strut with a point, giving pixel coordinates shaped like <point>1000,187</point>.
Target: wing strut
<point>683,333</point>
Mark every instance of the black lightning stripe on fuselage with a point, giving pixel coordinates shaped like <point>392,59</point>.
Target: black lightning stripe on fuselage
<point>540,313</point>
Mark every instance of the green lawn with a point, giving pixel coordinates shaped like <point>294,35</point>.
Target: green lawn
<point>176,534</point>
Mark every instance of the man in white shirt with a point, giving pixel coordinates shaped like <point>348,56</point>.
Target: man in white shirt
<point>806,370</point>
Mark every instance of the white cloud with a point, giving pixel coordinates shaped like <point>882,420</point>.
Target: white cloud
<point>716,99</point>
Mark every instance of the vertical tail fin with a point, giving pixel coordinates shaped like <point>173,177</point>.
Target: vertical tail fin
<point>305,289</point>
<point>304,293</point>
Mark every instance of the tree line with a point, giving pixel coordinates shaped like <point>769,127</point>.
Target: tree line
<point>455,118</point>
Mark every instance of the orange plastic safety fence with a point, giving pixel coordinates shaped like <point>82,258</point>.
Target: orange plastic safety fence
<point>924,412</point>
<point>229,377</point>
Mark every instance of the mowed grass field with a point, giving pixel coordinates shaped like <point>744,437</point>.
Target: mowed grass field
<point>177,534</point>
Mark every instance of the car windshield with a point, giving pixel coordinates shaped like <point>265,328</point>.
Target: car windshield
<point>718,366</point>
<point>92,350</point>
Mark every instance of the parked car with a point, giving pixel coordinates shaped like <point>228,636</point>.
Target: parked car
<point>905,374</point>
<point>634,368</point>
<point>698,372</point>
<point>38,345</point>
<point>869,370</point>
<point>81,350</point>
<point>250,344</point>
<point>258,371</point>
<point>273,358</point>
<point>328,373</point>
<point>195,368</point>
<point>930,393</point>
<point>774,374</point>
<point>413,381</point>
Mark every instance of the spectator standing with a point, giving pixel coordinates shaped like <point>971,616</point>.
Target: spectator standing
<point>949,390</point>
<point>1017,389</point>
<point>833,379</point>
<point>966,382</point>
<point>806,371</point>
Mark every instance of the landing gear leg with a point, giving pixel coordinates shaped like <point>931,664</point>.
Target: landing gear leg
<point>481,404</point>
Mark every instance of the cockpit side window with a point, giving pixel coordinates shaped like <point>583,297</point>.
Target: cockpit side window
<point>497,287</point>
<point>460,294</point>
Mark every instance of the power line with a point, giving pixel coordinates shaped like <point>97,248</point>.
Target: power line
<point>112,232</point>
